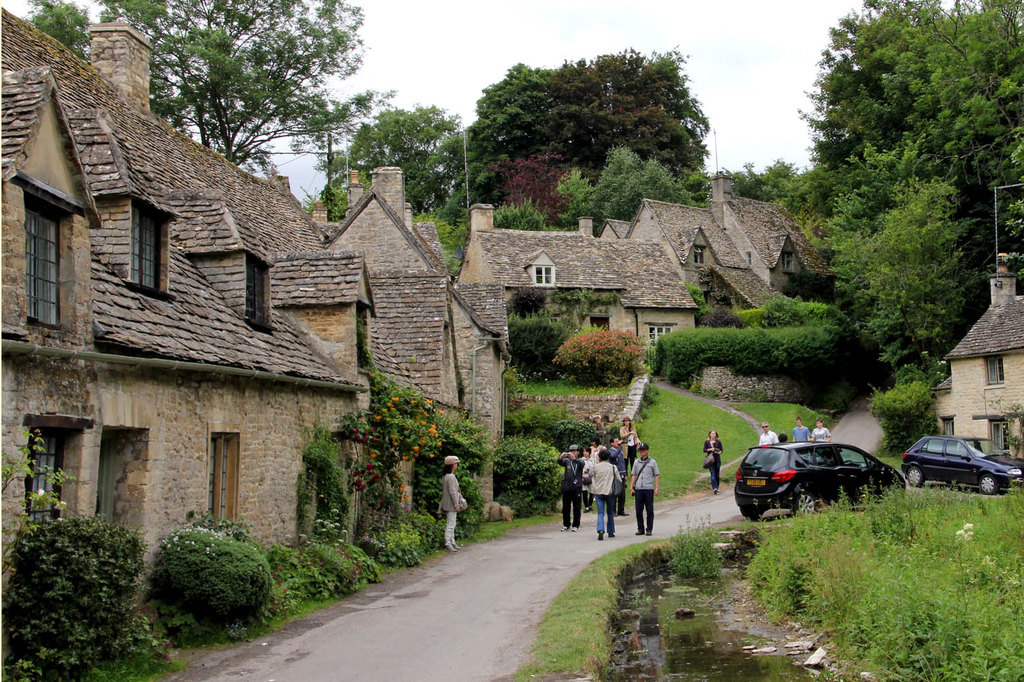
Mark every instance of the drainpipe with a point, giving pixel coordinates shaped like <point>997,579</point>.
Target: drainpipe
<point>636,319</point>
<point>30,349</point>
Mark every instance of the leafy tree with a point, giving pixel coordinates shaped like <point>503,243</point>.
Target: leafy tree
<point>534,179</point>
<point>239,75</point>
<point>576,191</point>
<point>628,99</point>
<point>626,180</point>
<point>425,143</point>
<point>65,21</point>
<point>524,216</point>
<point>773,184</point>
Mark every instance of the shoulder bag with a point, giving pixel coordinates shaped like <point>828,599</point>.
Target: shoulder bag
<point>709,460</point>
<point>618,487</point>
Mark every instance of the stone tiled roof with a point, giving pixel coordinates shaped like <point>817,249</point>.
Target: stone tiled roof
<point>139,153</point>
<point>316,278</point>
<point>746,283</point>
<point>641,271</point>
<point>24,94</point>
<point>767,226</point>
<point>488,301</point>
<point>681,224</point>
<point>407,333</point>
<point>1000,329</point>
<point>427,232</point>
<point>619,228</point>
<point>945,385</point>
<point>196,325</point>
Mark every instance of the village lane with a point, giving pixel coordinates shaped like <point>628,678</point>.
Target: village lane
<point>471,615</point>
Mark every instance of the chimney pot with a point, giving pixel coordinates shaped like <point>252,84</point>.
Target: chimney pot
<point>586,226</point>
<point>320,212</point>
<point>1003,283</point>
<point>353,177</point>
<point>481,217</point>
<point>121,56</point>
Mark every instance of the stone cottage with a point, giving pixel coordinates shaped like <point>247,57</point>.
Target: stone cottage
<point>987,367</point>
<point>171,323</point>
<point>648,295</point>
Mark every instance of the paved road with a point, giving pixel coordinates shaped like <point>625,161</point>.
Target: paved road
<point>466,616</point>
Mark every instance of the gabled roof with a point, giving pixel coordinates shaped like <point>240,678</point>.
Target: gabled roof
<point>681,224</point>
<point>641,271</point>
<point>407,334</point>
<point>427,233</point>
<point>487,301</point>
<point>1000,330</point>
<point>317,278</point>
<point>746,283</point>
<point>618,228</point>
<point>767,226</point>
<point>24,95</point>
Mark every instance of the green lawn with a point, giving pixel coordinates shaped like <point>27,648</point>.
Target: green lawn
<point>676,426</point>
<point>563,387</point>
<point>782,416</point>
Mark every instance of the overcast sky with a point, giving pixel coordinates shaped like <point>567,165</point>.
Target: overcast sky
<point>751,63</point>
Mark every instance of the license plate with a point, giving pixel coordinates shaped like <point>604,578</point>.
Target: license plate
<point>756,481</point>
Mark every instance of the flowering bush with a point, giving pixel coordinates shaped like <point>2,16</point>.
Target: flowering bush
<point>603,357</point>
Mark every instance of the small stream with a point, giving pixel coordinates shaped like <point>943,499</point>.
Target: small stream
<point>707,646</point>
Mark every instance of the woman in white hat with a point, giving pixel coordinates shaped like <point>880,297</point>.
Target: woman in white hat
<point>452,501</point>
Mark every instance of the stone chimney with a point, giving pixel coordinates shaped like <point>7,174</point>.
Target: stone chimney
<point>283,182</point>
<point>481,217</point>
<point>408,214</point>
<point>389,183</point>
<point>1003,283</point>
<point>355,188</point>
<point>320,212</point>
<point>721,188</point>
<point>586,226</point>
<point>121,56</point>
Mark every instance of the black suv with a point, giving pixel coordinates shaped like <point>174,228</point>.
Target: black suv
<point>797,476</point>
<point>974,462</point>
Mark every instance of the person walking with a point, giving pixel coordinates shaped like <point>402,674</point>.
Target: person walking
<point>644,486</point>
<point>452,501</point>
<point>618,458</point>
<point>800,432</point>
<point>605,475</point>
<point>589,460</point>
<point>572,487</point>
<point>820,433</point>
<point>713,447</point>
<point>629,438</point>
<point>768,437</point>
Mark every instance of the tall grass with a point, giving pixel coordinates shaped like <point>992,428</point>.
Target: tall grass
<point>923,586</point>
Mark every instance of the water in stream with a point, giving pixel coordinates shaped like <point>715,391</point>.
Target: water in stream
<point>708,646</point>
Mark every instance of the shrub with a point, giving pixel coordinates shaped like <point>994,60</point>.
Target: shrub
<point>811,286</point>
<point>535,420</point>
<point>568,431</point>
<point>533,343</point>
<point>524,216</point>
<point>211,574</point>
<point>698,297</point>
<point>68,604</point>
<point>528,301</point>
<point>905,412</point>
<point>782,311</point>
<point>694,555</point>
<point>750,317</point>
<point>722,317</point>
<point>609,357</point>
<point>317,571</point>
<point>323,480</point>
<point>526,475</point>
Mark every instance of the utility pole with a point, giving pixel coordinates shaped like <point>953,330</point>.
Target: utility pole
<point>330,157</point>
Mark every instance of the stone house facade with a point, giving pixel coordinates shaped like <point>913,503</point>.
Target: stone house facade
<point>987,368</point>
<point>648,295</point>
<point>171,324</point>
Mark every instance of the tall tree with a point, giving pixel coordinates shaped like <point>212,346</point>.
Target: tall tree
<point>626,180</point>
<point>534,179</point>
<point>65,21</point>
<point>240,74</point>
<point>628,99</point>
<point>425,143</point>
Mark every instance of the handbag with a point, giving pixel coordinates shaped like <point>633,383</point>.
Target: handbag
<point>618,487</point>
<point>462,505</point>
<point>709,460</point>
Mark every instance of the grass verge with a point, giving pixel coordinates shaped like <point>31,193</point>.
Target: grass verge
<point>573,637</point>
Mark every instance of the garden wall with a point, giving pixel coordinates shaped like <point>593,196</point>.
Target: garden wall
<point>776,388</point>
<point>609,407</point>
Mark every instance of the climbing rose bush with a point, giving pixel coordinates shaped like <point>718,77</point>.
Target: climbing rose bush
<point>605,357</point>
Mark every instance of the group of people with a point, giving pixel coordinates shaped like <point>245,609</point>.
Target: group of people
<point>598,474</point>
<point>800,434</point>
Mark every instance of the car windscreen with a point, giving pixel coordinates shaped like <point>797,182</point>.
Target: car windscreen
<point>983,447</point>
<point>767,459</point>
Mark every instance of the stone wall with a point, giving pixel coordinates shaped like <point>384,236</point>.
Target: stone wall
<point>972,400</point>
<point>772,387</point>
<point>579,406</point>
<point>226,272</point>
<point>376,234</point>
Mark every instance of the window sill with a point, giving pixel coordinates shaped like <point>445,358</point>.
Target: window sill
<point>260,326</point>
<point>149,291</point>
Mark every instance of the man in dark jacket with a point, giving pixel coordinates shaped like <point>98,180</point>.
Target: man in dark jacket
<point>572,487</point>
<point>618,458</point>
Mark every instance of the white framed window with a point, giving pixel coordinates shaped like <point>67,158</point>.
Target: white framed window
<point>698,255</point>
<point>788,261</point>
<point>997,432</point>
<point>656,331</point>
<point>544,275</point>
<point>947,426</point>
<point>222,496</point>
<point>994,367</point>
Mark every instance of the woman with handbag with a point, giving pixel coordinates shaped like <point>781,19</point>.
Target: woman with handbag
<point>452,501</point>
<point>713,458</point>
<point>606,478</point>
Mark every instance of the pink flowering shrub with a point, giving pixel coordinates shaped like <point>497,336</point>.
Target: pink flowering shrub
<point>604,357</point>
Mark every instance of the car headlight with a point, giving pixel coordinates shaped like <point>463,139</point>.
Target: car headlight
<point>1014,472</point>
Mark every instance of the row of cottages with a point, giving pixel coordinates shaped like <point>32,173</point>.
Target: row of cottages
<point>172,324</point>
<point>649,295</point>
<point>987,368</point>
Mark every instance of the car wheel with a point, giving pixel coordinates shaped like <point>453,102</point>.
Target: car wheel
<point>750,512</point>
<point>915,477</point>
<point>987,485</point>
<point>804,503</point>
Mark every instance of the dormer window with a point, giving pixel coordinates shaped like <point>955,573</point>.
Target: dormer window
<point>257,284</point>
<point>146,248</point>
<point>698,255</point>
<point>42,264</point>
<point>544,275</point>
<point>788,261</point>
